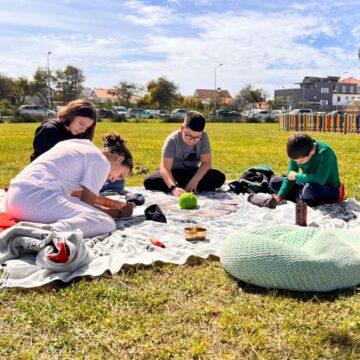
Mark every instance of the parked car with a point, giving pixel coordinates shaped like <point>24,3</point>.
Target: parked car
<point>104,113</point>
<point>152,113</point>
<point>336,113</point>
<point>301,112</point>
<point>162,114</point>
<point>227,113</point>
<point>36,110</point>
<point>277,113</point>
<point>262,114</point>
<point>178,114</point>
<point>138,113</point>
<point>119,110</point>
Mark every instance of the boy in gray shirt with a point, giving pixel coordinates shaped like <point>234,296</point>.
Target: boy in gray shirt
<point>186,160</point>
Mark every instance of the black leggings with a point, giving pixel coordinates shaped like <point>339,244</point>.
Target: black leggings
<point>212,180</point>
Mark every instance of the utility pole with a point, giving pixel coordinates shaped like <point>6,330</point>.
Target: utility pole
<point>49,80</point>
<point>216,89</point>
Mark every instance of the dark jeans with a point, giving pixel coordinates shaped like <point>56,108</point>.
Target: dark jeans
<point>113,186</point>
<point>212,180</point>
<point>312,193</point>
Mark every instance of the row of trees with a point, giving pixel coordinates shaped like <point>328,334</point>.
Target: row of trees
<point>64,85</point>
<point>45,87</point>
<point>68,84</point>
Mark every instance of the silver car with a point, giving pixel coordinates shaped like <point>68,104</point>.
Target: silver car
<point>178,114</point>
<point>36,110</point>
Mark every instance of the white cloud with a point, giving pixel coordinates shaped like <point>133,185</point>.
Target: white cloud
<point>148,15</point>
<point>252,47</point>
<point>256,47</point>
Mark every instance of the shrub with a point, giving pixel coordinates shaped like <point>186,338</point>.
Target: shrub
<point>224,119</point>
<point>6,109</point>
<point>253,120</point>
<point>119,118</point>
<point>172,120</point>
<point>26,118</point>
<point>271,120</point>
<point>141,121</point>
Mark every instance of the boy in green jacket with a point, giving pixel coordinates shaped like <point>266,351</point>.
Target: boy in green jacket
<point>313,174</point>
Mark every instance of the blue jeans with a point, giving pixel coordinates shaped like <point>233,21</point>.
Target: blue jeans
<point>312,193</point>
<point>113,186</point>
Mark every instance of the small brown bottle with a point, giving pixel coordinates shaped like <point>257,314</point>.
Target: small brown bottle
<point>300,213</point>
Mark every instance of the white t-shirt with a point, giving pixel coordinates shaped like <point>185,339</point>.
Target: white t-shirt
<point>69,165</point>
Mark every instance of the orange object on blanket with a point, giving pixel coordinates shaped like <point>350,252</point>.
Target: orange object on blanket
<point>6,221</point>
<point>341,193</point>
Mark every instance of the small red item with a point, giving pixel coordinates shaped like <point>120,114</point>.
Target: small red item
<point>6,221</point>
<point>62,256</point>
<point>156,242</point>
<point>6,189</point>
<point>341,193</point>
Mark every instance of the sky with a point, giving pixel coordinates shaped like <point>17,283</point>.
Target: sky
<point>268,44</point>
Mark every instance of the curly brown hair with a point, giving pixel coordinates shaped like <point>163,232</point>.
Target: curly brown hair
<point>116,144</point>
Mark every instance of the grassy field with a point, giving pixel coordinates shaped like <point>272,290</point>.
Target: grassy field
<point>195,311</point>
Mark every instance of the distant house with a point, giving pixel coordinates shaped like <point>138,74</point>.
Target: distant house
<point>86,93</point>
<point>206,96</point>
<point>320,93</point>
<point>262,105</point>
<point>103,95</point>
<point>350,80</point>
<point>353,100</point>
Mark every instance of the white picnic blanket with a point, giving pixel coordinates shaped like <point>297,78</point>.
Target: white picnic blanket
<point>220,212</point>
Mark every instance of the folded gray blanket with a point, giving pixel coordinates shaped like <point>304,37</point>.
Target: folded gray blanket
<point>50,250</point>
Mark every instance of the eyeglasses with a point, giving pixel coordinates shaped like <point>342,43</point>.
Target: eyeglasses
<point>193,138</point>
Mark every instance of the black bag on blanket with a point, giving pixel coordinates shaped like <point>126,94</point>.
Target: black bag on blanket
<point>136,198</point>
<point>252,181</point>
<point>154,213</point>
<point>262,200</point>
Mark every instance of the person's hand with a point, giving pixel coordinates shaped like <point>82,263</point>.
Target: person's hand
<point>291,175</point>
<point>178,191</point>
<point>277,197</point>
<point>192,185</point>
<point>113,204</point>
<point>76,193</point>
<point>125,211</point>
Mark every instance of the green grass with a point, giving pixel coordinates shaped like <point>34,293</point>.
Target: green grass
<point>195,311</point>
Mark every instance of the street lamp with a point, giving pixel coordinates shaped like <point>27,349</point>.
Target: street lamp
<point>338,91</point>
<point>216,88</point>
<point>49,84</point>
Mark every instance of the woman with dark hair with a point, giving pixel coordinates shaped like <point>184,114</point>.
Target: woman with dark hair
<point>76,120</point>
<point>61,187</point>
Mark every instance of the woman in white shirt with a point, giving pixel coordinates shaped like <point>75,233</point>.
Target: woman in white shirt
<point>61,187</point>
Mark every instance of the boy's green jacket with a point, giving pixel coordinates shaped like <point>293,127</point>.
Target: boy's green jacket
<point>322,168</point>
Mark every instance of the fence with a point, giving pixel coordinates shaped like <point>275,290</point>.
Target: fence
<point>347,123</point>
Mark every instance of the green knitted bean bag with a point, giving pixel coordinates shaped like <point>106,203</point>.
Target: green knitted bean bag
<point>294,258</point>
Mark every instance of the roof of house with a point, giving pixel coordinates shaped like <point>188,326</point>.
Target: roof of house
<point>103,94</point>
<point>206,94</point>
<point>350,80</point>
